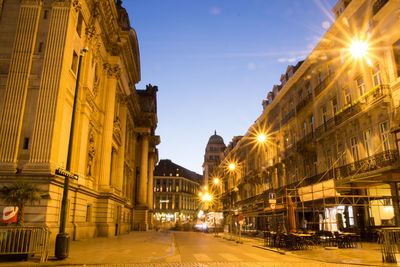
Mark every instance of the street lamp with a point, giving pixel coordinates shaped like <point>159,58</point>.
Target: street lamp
<point>216,181</point>
<point>232,166</point>
<point>63,239</point>
<point>261,138</point>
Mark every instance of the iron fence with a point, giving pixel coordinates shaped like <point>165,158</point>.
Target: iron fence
<point>25,241</point>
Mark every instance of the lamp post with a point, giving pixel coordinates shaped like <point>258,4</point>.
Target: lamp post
<point>63,239</point>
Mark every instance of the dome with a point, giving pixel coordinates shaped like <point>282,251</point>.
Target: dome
<point>216,139</point>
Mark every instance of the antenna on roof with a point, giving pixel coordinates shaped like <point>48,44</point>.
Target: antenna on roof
<point>215,132</point>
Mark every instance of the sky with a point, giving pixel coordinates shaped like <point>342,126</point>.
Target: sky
<point>214,61</point>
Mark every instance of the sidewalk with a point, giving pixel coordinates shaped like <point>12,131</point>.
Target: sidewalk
<point>135,247</point>
<point>368,254</point>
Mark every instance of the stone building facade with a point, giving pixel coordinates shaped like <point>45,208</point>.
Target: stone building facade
<point>332,127</point>
<point>114,143</point>
<point>212,157</point>
<point>175,192</point>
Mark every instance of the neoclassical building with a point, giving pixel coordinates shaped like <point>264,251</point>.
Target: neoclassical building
<point>332,132</point>
<point>46,48</point>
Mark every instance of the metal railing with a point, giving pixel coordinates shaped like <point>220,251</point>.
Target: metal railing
<point>378,5</point>
<point>25,241</point>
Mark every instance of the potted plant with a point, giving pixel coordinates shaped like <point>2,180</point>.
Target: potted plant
<point>19,194</point>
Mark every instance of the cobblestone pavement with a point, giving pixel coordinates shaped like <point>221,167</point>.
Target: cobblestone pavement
<point>198,249</point>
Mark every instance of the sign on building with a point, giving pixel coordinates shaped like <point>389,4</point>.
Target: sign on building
<point>10,215</point>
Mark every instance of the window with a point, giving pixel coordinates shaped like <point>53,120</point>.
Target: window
<point>308,88</point>
<point>347,96</point>
<point>328,158</point>
<point>384,131</point>
<point>334,105</point>
<point>79,24</point>
<point>89,213</point>
<point>45,14</point>
<point>40,48</point>
<point>324,116</point>
<point>319,77</point>
<point>368,142</point>
<point>74,65</point>
<point>26,143</point>
<point>354,148</point>
<point>300,94</point>
<point>396,53</point>
<point>304,128</point>
<point>312,123</point>
<point>361,85</point>
<point>376,75</point>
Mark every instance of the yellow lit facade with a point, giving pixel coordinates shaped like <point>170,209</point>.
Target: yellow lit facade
<point>113,152</point>
<point>332,129</point>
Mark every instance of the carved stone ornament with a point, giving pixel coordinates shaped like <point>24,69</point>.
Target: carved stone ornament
<point>112,70</point>
<point>76,5</point>
<point>91,154</point>
<point>90,32</point>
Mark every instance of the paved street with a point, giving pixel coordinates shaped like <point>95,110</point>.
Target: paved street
<point>169,248</point>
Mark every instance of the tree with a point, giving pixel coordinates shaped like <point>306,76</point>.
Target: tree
<point>21,193</point>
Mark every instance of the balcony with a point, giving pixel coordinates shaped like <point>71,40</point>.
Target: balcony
<point>287,117</point>
<point>322,85</point>
<point>304,143</point>
<point>369,98</point>
<point>381,160</point>
<point>378,6</point>
<point>304,102</point>
<point>325,127</point>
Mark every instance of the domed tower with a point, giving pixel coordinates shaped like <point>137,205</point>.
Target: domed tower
<point>213,156</point>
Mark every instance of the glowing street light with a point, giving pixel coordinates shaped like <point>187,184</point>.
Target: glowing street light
<point>261,138</point>
<point>359,49</point>
<point>232,166</point>
<point>216,181</point>
<point>200,194</point>
<point>205,187</point>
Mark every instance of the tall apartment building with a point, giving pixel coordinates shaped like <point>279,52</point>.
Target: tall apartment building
<point>332,127</point>
<point>213,156</point>
<point>113,147</point>
<point>175,192</point>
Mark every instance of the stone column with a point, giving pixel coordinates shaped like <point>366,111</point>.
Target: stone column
<point>121,153</point>
<point>40,157</point>
<point>17,83</point>
<point>150,189</point>
<point>143,179</point>
<point>141,210</point>
<point>113,74</point>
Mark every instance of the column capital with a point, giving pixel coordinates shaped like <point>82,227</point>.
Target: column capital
<point>112,70</point>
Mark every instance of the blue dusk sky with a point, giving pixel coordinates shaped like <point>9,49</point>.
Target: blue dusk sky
<point>214,61</point>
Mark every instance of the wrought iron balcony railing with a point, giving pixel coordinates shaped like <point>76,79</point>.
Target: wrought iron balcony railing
<point>378,6</point>
<point>304,102</point>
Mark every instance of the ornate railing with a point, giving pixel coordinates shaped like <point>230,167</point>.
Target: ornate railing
<point>304,102</point>
<point>325,127</point>
<point>381,160</point>
<point>322,85</point>
<point>348,113</point>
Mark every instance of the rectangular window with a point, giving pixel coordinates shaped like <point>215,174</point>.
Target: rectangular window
<point>361,85</point>
<point>347,96</point>
<point>396,53</point>
<point>74,64</point>
<point>368,143</point>
<point>40,48</point>
<point>376,75</point>
<point>45,14</point>
<point>384,131</point>
<point>89,213</point>
<point>79,24</point>
<point>312,123</point>
<point>26,143</point>
<point>304,128</point>
<point>324,115</point>
<point>354,148</point>
<point>334,105</point>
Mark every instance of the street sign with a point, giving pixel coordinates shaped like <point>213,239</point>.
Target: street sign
<point>240,218</point>
<point>272,206</point>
